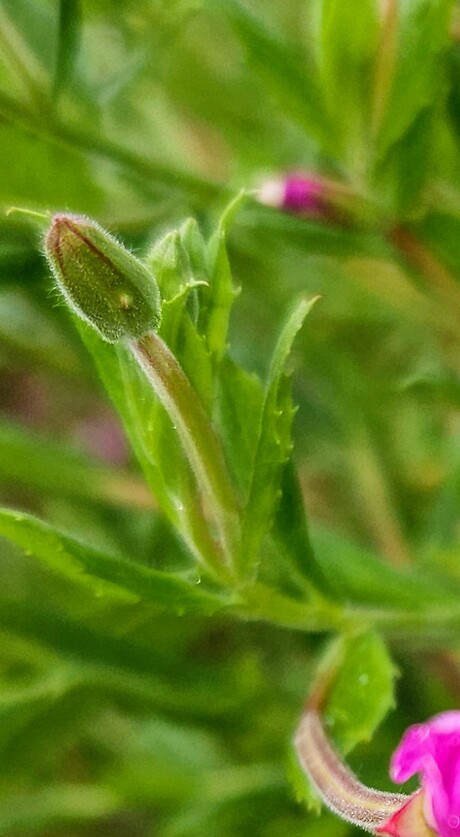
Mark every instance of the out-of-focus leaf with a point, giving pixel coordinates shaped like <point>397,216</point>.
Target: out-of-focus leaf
<point>27,329</point>
<point>121,666</point>
<point>348,44</point>
<point>21,704</point>
<point>362,578</point>
<point>418,77</point>
<point>116,578</point>
<point>30,459</point>
<point>34,173</point>
<point>284,70</point>
<point>56,806</point>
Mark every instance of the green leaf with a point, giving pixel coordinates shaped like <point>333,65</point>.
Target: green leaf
<point>154,440</point>
<point>168,260</point>
<point>218,301</point>
<point>408,166</point>
<point>21,705</point>
<point>274,441</point>
<point>239,400</point>
<point>293,537</point>
<point>104,575</point>
<point>362,692</point>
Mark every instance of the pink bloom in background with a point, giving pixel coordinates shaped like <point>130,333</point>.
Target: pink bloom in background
<point>432,750</point>
<point>295,193</point>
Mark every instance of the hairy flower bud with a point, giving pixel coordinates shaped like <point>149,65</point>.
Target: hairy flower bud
<point>103,283</point>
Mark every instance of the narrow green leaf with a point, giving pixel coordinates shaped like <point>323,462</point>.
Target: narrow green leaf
<point>20,705</point>
<point>218,301</point>
<point>104,575</point>
<point>239,402</point>
<point>293,537</point>
<point>274,440</point>
<point>117,664</point>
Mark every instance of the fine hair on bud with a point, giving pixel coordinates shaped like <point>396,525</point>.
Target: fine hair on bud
<point>103,283</point>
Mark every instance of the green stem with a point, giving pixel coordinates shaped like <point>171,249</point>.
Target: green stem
<point>431,627</point>
<point>199,442</point>
<point>374,496</point>
<point>384,64</point>
<point>437,277</point>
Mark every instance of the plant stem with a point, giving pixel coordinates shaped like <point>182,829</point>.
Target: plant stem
<point>199,442</point>
<point>339,788</point>
<point>374,496</point>
<point>436,275</point>
<point>384,64</point>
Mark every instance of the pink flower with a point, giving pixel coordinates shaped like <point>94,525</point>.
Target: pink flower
<point>433,751</point>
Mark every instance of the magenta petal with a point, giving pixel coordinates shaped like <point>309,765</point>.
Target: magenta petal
<point>433,751</point>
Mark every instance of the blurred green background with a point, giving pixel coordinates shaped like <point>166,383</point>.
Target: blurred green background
<point>118,720</point>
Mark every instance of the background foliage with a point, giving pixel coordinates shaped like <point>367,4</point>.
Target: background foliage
<point>131,700</point>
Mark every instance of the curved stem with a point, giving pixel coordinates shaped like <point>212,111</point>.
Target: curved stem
<point>335,783</point>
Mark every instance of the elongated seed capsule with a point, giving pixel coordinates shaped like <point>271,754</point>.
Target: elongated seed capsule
<point>101,281</point>
<point>338,787</point>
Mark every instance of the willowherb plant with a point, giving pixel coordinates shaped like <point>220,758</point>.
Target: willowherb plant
<point>165,615</point>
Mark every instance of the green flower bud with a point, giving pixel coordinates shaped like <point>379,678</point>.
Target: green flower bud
<point>102,282</point>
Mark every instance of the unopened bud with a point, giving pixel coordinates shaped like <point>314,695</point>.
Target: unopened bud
<point>103,283</point>
<point>295,193</point>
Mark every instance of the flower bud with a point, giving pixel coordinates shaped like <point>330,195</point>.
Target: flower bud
<point>295,193</point>
<point>102,282</point>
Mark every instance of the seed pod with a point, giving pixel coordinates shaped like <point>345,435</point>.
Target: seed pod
<point>102,282</point>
